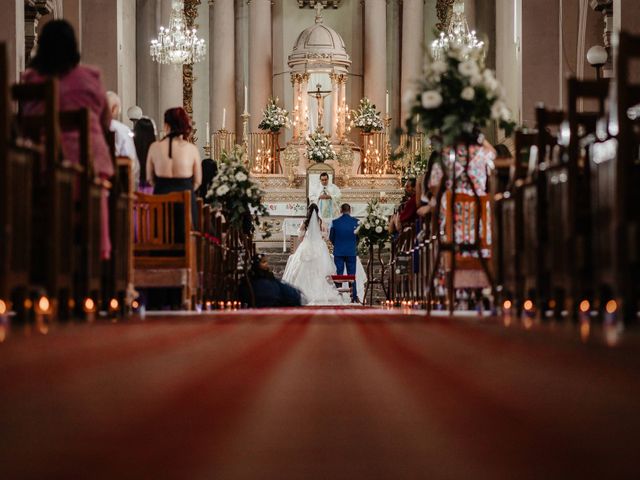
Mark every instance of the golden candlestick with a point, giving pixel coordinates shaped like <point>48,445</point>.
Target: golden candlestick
<point>245,135</point>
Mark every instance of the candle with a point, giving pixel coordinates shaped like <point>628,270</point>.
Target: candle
<point>224,118</point>
<point>208,133</point>
<point>387,103</point>
<point>246,98</point>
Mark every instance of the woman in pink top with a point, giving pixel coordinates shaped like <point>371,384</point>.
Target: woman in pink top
<point>80,86</point>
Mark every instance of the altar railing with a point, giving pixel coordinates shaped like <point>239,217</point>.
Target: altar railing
<point>264,153</point>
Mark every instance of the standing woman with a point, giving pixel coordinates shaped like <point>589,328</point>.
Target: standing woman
<point>173,163</point>
<point>144,134</point>
<point>80,86</point>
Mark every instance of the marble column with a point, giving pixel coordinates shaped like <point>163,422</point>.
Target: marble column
<point>11,29</point>
<point>335,105</point>
<point>147,71</point>
<point>222,66</point>
<point>411,68</point>
<point>108,33</point>
<point>170,83</point>
<point>375,51</point>
<point>260,59</point>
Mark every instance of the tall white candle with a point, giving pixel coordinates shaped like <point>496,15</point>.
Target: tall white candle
<point>246,99</point>
<point>224,118</point>
<point>387,103</point>
<point>208,133</point>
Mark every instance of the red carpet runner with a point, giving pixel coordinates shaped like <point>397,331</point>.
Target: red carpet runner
<point>306,394</point>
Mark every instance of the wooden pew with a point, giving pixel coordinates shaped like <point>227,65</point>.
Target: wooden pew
<point>16,172</point>
<point>568,195</point>
<point>54,182</point>
<point>161,257</point>
<point>626,218</point>
<point>120,266</point>
<point>509,224</point>
<point>535,261</point>
<point>86,260</point>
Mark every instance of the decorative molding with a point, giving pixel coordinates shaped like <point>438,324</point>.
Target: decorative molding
<point>444,9</point>
<point>190,13</point>
<point>325,3</point>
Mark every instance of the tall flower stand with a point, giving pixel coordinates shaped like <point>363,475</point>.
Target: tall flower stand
<point>375,259</point>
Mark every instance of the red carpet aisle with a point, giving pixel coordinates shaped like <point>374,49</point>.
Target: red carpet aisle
<point>326,394</point>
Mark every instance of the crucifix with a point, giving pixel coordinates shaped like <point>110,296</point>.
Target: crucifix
<point>319,95</point>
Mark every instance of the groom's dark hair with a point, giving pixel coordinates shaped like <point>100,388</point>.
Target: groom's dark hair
<point>345,208</point>
<point>324,174</point>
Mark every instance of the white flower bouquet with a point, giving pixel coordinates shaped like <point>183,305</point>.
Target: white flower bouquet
<point>319,147</point>
<point>234,192</point>
<point>416,168</point>
<point>273,117</point>
<point>457,97</point>
<point>373,229</point>
<point>366,118</point>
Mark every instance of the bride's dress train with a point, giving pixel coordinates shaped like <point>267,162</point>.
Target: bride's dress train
<point>308,268</point>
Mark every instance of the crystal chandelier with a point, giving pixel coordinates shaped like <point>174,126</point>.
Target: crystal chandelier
<point>458,35</point>
<point>177,44</point>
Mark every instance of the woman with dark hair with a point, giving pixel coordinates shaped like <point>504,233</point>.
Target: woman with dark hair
<point>80,86</point>
<point>310,267</point>
<point>267,290</point>
<point>173,163</point>
<point>209,171</point>
<point>144,134</point>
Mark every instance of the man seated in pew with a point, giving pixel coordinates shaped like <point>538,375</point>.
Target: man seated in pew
<point>80,86</point>
<point>124,145</point>
<point>268,291</point>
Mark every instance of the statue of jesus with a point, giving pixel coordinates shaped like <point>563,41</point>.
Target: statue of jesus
<point>319,95</point>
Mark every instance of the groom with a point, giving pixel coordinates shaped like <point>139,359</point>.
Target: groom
<point>343,238</point>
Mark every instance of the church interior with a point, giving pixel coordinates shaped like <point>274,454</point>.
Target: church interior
<point>256,239</point>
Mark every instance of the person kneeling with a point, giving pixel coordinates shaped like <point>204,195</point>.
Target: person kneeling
<point>268,291</point>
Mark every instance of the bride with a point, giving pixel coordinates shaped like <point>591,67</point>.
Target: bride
<point>311,264</point>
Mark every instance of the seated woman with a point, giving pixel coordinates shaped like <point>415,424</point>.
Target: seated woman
<point>144,135</point>
<point>173,163</point>
<point>268,291</point>
<point>80,86</point>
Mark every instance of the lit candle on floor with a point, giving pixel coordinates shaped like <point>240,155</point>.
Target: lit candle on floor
<point>89,307</point>
<point>43,309</point>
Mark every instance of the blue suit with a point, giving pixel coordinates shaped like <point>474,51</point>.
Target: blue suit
<point>342,236</point>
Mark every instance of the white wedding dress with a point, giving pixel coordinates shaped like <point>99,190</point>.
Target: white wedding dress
<point>308,268</point>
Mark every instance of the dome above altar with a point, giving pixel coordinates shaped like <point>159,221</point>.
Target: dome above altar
<point>319,48</point>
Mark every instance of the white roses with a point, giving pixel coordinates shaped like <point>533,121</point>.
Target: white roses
<point>431,99</point>
<point>468,93</point>
<point>468,68</point>
<point>241,176</point>
<point>222,190</point>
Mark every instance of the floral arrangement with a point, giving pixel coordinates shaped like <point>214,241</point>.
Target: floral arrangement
<point>274,117</point>
<point>234,192</point>
<point>457,97</point>
<point>372,229</point>
<point>366,118</point>
<point>416,168</point>
<point>319,147</point>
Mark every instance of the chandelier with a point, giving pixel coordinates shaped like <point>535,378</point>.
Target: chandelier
<point>177,44</point>
<point>458,36</point>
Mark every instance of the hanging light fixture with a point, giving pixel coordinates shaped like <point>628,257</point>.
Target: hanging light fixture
<point>177,44</point>
<point>458,35</point>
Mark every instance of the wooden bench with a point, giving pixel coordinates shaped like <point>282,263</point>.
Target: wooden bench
<point>164,250</point>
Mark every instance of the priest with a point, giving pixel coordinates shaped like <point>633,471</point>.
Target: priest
<point>327,196</point>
